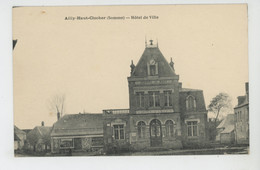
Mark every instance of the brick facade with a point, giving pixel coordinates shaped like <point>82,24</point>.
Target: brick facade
<point>161,114</point>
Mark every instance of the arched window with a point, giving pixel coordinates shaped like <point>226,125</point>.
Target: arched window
<point>141,129</point>
<point>152,67</point>
<point>190,103</point>
<point>169,128</point>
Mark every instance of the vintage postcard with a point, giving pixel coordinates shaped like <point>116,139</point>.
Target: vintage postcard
<point>131,80</point>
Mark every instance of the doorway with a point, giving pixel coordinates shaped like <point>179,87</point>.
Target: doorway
<point>155,133</point>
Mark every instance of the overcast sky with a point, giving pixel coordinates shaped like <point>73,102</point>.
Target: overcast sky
<point>89,60</point>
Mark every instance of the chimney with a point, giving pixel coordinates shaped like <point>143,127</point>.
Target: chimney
<point>247,91</point>
<point>240,99</point>
<point>180,86</point>
<point>58,115</point>
<point>42,123</point>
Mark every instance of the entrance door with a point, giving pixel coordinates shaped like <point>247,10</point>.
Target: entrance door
<point>77,144</point>
<point>155,133</point>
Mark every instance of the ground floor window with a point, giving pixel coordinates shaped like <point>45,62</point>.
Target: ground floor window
<point>119,132</point>
<point>97,141</point>
<point>141,129</point>
<point>169,128</point>
<point>66,143</point>
<point>192,128</point>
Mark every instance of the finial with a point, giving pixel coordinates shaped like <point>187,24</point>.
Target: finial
<point>171,64</point>
<point>151,42</point>
<point>132,66</point>
<point>145,42</point>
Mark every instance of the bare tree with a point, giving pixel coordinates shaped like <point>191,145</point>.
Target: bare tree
<point>57,103</point>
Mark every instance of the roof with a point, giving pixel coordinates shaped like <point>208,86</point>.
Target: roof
<point>27,130</point>
<point>16,138</point>
<point>38,133</point>
<point>153,53</point>
<point>78,125</point>
<point>188,90</point>
<point>228,129</point>
<point>197,94</point>
<point>44,130</point>
<point>227,124</point>
<point>18,131</point>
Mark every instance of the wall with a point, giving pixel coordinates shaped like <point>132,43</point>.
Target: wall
<point>242,125</point>
<point>227,138</point>
<point>199,140</point>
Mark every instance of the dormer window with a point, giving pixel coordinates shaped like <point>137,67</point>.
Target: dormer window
<point>190,103</point>
<point>152,67</point>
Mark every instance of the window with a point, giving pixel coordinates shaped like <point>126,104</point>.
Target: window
<point>140,99</point>
<point>141,129</point>
<point>66,143</point>
<point>152,67</point>
<point>119,132</point>
<point>190,103</point>
<point>169,128</point>
<point>167,98</point>
<point>154,100</point>
<point>155,128</point>
<point>97,141</point>
<point>192,128</point>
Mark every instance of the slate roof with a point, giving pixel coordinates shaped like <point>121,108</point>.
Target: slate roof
<point>44,130</point>
<point>38,133</point>
<point>228,129</point>
<point>198,94</point>
<point>164,69</point>
<point>228,124</point>
<point>78,125</point>
<point>16,138</point>
<point>18,131</point>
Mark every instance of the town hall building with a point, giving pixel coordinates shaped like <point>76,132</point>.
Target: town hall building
<point>161,114</point>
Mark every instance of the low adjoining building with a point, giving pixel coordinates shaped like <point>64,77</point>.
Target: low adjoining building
<point>38,138</point>
<point>77,132</point>
<point>225,130</point>
<point>242,118</point>
<point>19,138</point>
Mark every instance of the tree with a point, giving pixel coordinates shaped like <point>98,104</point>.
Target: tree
<point>57,103</point>
<point>32,138</point>
<point>219,103</point>
<point>46,140</point>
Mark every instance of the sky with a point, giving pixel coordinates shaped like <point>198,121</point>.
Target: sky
<point>89,60</point>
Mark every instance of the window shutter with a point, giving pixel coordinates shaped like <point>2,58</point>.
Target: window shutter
<point>148,69</point>
<point>156,69</point>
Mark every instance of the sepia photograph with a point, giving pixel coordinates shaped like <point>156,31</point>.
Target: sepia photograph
<point>130,80</point>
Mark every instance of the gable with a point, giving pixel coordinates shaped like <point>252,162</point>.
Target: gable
<point>164,69</point>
